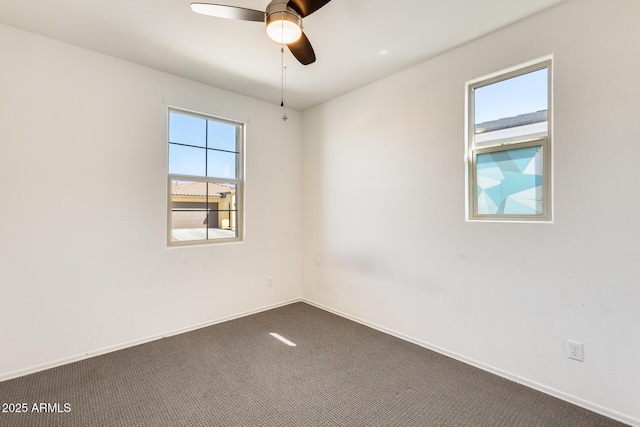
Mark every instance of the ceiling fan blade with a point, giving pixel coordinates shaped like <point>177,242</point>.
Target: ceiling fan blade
<point>229,12</point>
<point>306,7</point>
<point>302,50</point>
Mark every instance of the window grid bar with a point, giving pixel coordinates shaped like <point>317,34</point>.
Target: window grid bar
<point>206,173</point>
<point>204,148</point>
<point>211,179</point>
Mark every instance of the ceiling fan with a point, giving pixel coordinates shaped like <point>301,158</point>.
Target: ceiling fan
<point>282,17</point>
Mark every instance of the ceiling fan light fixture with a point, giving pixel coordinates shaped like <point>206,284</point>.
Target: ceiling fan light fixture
<point>283,30</point>
<point>284,25</point>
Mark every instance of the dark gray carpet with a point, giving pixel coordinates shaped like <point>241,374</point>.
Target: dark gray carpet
<point>235,374</point>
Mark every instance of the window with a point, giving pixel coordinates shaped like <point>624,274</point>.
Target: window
<point>509,145</point>
<point>205,179</point>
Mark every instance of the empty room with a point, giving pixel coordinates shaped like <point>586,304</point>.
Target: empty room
<point>319,213</point>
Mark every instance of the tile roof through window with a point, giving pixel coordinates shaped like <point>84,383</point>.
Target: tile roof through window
<point>199,189</point>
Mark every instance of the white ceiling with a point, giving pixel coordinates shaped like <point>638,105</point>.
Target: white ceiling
<point>356,41</point>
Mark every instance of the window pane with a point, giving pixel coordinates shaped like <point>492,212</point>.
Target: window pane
<point>186,160</point>
<point>226,211</point>
<point>188,211</point>
<point>202,210</point>
<point>509,182</point>
<point>188,225</point>
<point>188,130</point>
<point>512,108</point>
<point>222,136</point>
<point>221,164</point>
<point>223,214</point>
<point>224,231</point>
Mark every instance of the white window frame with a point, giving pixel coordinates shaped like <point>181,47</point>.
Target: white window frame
<point>238,181</point>
<point>473,149</point>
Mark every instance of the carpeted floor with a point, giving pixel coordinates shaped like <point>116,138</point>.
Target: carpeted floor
<point>235,374</point>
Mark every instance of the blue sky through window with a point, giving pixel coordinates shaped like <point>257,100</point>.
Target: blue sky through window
<point>188,130</point>
<point>211,147</point>
<point>522,94</point>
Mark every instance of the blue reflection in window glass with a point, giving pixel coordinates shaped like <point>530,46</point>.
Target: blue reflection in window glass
<point>509,182</point>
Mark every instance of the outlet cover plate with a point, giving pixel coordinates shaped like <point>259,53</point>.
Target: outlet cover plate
<point>575,350</point>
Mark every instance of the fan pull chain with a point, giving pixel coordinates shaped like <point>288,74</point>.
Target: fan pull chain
<point>284,82</point>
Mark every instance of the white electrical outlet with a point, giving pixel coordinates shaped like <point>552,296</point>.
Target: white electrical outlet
<point>575,350</point>
<point>269,282</point>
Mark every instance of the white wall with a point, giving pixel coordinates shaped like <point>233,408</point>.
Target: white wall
<point>503,296</point>
<point>83,259</point>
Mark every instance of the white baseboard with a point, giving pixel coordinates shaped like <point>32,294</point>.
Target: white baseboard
<point>93,353</point>
<point>520,380</point>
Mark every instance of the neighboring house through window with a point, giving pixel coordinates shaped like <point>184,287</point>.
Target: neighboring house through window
<point>205,179</point>
<point>509,145</point>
